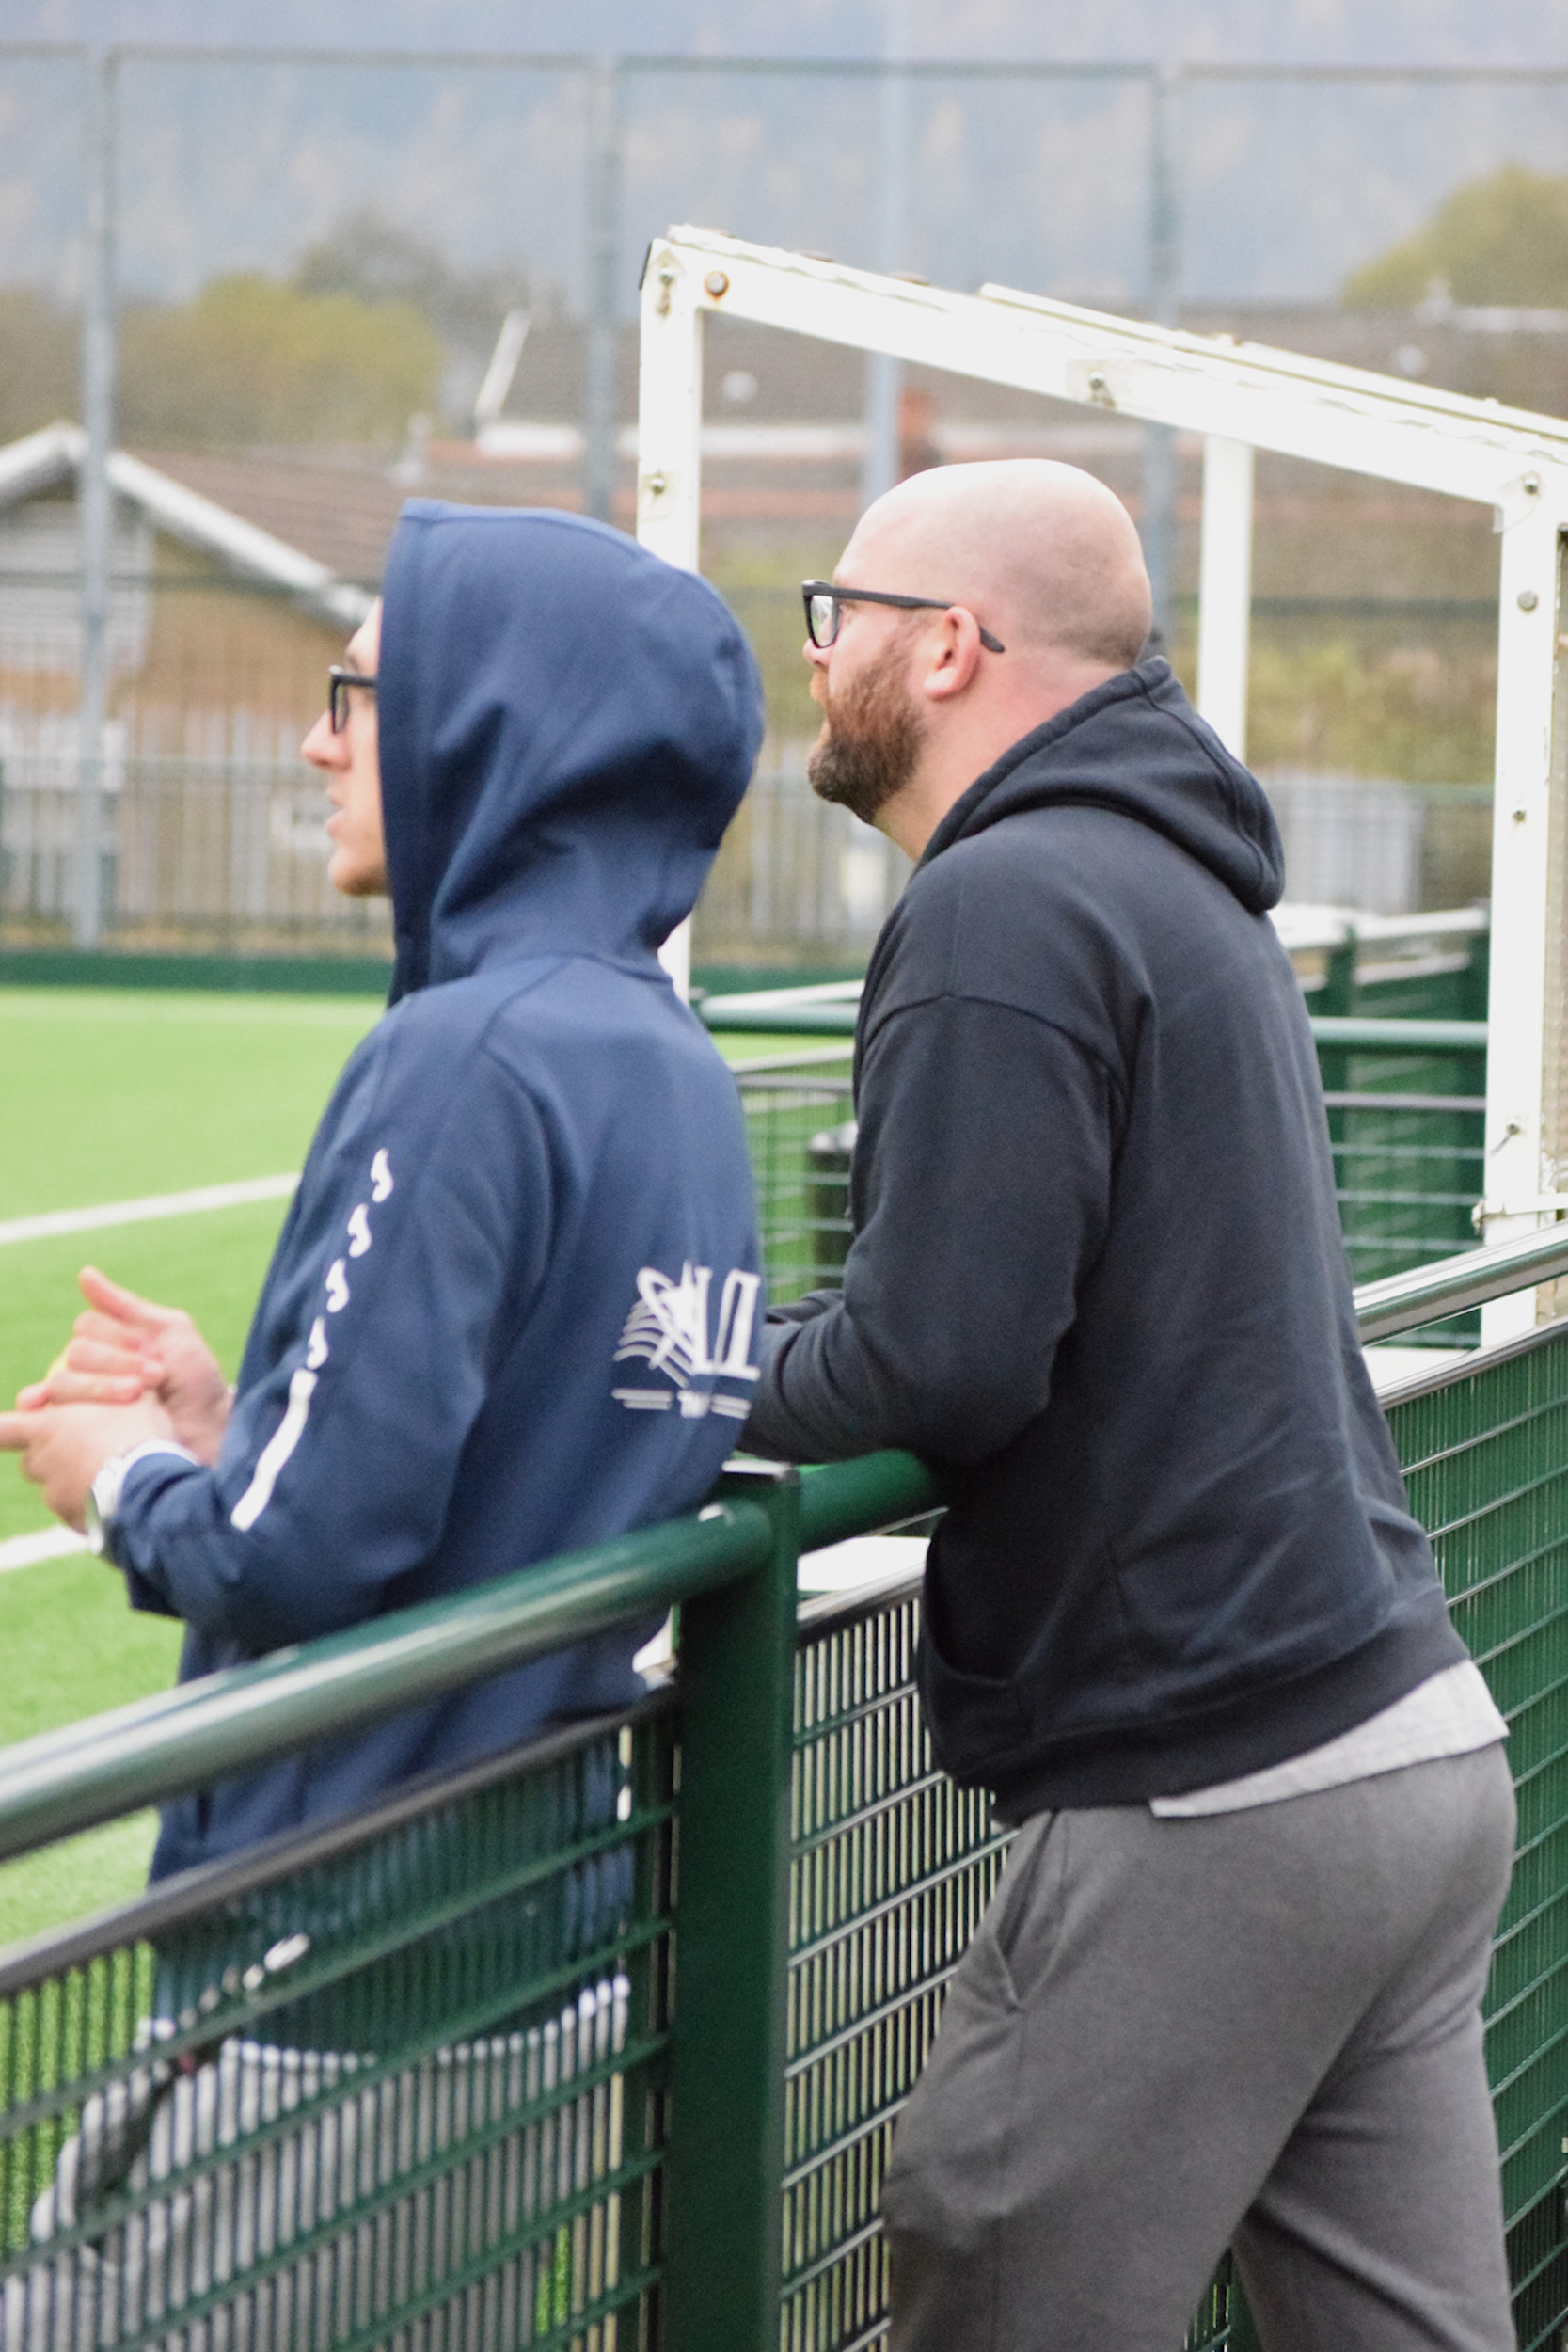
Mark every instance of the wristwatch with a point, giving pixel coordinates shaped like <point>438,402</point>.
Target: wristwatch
<point>103,1496</point>
<point>103,1501</point>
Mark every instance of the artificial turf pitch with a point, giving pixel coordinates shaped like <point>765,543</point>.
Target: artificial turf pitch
<point>109,1095</point>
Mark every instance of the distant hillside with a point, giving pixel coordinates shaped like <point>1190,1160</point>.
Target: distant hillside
<point>1500,241</point>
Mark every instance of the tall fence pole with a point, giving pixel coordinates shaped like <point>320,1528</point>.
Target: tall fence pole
<point>883,373</point>
<point>1164,306</point>
<point>94,506</point>
<point>725,2248</point>
<point>604,206</point>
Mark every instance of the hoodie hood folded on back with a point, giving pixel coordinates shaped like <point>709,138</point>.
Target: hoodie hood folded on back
<point>567,725</point>
<point>1137,745</point>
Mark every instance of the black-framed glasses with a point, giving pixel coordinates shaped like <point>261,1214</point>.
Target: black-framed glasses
<point>825,604</point>
<point>338,680</point>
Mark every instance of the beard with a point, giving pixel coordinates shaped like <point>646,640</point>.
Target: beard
<point>873,733</point>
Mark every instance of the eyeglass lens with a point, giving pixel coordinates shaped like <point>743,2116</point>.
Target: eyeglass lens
<point>338,680</point>
<point>822,615</point>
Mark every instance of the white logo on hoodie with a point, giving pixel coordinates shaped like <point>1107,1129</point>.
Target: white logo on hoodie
<point>671,1328</point>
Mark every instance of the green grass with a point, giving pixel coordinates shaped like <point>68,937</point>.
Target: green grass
<point>751,1047</point>
<point>84,1650</point>
<point>115,1652</point>
<point>113,1093</point>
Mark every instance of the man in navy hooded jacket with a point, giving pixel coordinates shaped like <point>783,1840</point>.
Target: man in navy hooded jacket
<point>513,1305</point>
<point>1179,1620</point>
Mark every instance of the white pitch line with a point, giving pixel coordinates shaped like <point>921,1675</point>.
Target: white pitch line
<point>152,1204</point>
<point>50,1543</point>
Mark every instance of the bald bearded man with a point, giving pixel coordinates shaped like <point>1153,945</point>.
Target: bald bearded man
<point>1179,1620</point>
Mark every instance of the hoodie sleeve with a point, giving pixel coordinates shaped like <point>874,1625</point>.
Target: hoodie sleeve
<point>402,1277</point>
<point>982,1182</point>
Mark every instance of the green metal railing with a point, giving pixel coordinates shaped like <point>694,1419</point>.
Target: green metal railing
<point>600,2043</point>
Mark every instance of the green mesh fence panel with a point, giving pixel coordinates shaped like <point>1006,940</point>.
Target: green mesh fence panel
<point>893,1866</point>
<point>1405,1179</point>
<point>891,1869</point>
<point>803,1193</point>
<point>399,2082</point>
<point>1486,1459</point>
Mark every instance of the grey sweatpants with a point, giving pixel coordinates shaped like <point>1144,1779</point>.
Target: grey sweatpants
<point>1254,2029</point>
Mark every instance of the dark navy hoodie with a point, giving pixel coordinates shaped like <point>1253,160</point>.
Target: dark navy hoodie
<point>515,1305</point>
<point>1097,1273</point>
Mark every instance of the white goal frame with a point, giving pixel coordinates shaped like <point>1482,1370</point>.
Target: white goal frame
<point>1239,398</point>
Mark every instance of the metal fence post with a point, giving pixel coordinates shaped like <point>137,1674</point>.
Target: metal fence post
<point>725,2233</point>
<point>1158,518</point>
<point>884,377</point>
<point>601,408</point>
<point>93,495</point>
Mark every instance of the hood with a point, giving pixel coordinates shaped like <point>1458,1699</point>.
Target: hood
<point>1137,745</point>
<point>566,726</point>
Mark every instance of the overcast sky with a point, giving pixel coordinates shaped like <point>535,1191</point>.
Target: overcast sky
<point>1395,31</point>
<point>1029,181</point>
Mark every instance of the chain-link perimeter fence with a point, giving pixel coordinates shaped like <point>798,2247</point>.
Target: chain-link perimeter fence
<point>478,220</point>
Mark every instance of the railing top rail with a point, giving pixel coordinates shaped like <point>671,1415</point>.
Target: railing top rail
<point>1300,927</point>
<point>818,1058</point>
<point>1426,1294</point>
<point>770,999</point>
<point>1363,1034</point>
<point>1305,927</point>
<point>815,1013</point>
<point>801,1010</point>
<point>68,1779</point>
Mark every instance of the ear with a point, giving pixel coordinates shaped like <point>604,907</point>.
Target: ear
<point>952,655</point>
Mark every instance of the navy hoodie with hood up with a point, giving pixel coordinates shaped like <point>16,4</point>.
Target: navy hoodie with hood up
<point>1097,1273</point>
<point>515,1305</point>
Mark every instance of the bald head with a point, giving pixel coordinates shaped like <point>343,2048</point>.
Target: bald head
<point>1031,593</point>
<point>1045,556</point>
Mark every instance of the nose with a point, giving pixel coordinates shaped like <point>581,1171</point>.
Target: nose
<point>817,655</point>
<point>323,749</point>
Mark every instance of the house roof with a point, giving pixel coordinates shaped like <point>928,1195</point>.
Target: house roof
<point>42,461</point>
<point>315,523</point>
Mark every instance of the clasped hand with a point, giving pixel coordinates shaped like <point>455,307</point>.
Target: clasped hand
<point>131,1371</point>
